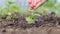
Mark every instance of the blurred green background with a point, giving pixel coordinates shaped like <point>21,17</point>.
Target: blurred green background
<point>50,5</point>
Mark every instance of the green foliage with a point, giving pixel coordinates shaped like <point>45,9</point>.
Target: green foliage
<point>9,2</point>
<point>49,5</point>
<point>31,19</point>
<point>15,8</point>
<point>8,17</point>
<point>13,16</point>
<point>3,11</point>
<point>9,11</point>
<point>57,11</point>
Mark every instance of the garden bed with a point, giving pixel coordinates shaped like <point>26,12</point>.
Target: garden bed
<point>45,24</point>
<point>45,20</point>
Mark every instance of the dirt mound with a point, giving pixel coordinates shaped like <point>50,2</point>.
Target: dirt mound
<point>47,24</point>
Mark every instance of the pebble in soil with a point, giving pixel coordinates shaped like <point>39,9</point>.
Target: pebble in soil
<point>3,30</point>
<point>39,22</point>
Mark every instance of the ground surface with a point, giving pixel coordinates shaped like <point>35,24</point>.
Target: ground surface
<point>44,25</point>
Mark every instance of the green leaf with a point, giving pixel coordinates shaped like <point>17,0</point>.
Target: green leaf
<point>9,2</point>
<point>15,8</point>
<point>50,3</point>
<point>14,16</point>
<point>4,12</point>
<point>8,18</point>
<point>30,20</point>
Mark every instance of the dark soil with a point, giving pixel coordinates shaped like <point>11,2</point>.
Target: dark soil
<point>46,24</point>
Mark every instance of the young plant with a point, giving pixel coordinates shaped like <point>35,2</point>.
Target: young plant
<point>8,12</point>
<point>31,19</point>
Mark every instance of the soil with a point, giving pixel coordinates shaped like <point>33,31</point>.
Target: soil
<point>46,24</point>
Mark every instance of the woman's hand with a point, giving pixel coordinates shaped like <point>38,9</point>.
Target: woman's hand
<point>34,4</point>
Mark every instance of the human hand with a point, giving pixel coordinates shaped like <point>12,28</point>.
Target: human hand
<point>34,4</point>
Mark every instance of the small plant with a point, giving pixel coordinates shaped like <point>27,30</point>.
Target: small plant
<point>31,19</point>
<point>8,12</point>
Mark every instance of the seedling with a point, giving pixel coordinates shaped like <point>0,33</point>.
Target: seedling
<point>31,19</point>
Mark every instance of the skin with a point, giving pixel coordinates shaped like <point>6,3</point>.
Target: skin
<point>34,4</point>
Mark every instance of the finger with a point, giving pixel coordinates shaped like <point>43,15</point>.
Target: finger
<point>39,4</point>
<point>30,1</point>
<point>32,4</point>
